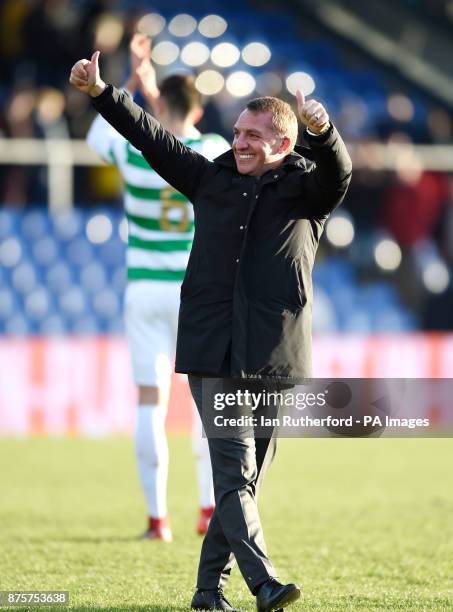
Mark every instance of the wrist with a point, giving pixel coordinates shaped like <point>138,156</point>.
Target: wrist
<point>149,95</point>
<point>132,83</point>
<point>97,89</point>
<point>320,132</point>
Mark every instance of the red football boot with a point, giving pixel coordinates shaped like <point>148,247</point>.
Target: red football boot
<point>158,529</point>
<point>204,519</point>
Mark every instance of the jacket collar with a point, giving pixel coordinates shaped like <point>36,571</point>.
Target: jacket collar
<point>296,159</point>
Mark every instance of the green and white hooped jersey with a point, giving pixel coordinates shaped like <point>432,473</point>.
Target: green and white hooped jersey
<point>160,219</point>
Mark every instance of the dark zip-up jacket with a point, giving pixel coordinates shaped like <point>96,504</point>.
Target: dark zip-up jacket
<point>248,286</point>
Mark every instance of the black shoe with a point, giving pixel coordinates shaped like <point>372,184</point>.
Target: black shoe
<point>211,600</point>
<point>275,596</point>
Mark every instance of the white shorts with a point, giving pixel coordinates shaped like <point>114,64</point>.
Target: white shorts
<point>151,319</point>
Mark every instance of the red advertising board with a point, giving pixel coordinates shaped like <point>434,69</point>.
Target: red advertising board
<point>76,385</point>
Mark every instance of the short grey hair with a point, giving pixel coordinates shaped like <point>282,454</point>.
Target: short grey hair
<point>284,120</point>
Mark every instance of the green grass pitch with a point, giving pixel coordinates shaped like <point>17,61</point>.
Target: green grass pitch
<point>360,524</point>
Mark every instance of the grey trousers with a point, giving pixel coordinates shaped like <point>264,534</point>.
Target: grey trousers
<point>235,532</point>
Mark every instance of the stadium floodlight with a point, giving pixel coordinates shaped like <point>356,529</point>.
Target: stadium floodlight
<point>123,230</point>
<point>195,54</point>
<point>165,53</point>
<point>387,254</point>
<point>240,84</point>
<point>212,26</point>
<point>400,107</point>
<point>302,81</point>
<point>256,54</point>
<point>182,25</point>
<point>151,24</point>
<point>99,229</point>
<point>10,252</point>
<point>225,54</point>
<point>436,276</point>
<point>340,230</point>
<point>269,84</point>
<point>209,82</point>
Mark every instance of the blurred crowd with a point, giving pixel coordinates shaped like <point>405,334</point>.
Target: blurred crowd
<point>410,208</point>
<point>40,40</point>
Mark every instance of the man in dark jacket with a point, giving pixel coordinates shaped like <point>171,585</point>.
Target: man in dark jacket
<point>247,294</point>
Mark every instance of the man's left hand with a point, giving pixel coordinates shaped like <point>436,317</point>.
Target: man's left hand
<point>312,114</point>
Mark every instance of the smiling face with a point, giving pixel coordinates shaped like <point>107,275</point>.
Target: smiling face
<point>257,147</point>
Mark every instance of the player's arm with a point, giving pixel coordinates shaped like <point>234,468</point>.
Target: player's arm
<point>142,69</point>
<point>179,165</point>
<point>142,74</point>
<point>325,185</point>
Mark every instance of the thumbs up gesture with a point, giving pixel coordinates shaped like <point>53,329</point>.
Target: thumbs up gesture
<point>85,76</point>
<point>312,114</point>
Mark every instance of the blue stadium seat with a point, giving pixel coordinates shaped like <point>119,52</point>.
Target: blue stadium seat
<point>379,294</point>
<point>344,300</point>
<point>10,303</point>
<point>324,312</point>
<point>24,277</point>
<point>35,224</point>
<point>93,277</point>
<point>359,321</point>
<point>53,324</point>
<point>115,326</point>
<point>106,304</point>
<point>12,250</point>
<point>38,304</point>
<point>73,303</point>
<point>59,277</point>
<point>79,252</point>
<point>86,324</point>
<point>113,252</point>
<point>333,274</point>
<point>18,325</point>
<point>46,250</point>
<point>9,222</point>
<point>118,279</point>
<point>393,319</point>
<point>68,225</point>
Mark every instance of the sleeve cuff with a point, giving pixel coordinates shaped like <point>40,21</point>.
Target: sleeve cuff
<point>105,95</point>
<point>318,138</point>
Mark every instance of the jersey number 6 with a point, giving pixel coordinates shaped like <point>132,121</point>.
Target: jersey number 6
<point>169,204</point>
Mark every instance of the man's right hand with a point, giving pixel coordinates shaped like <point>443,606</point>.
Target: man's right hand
<point>139,50</point>
<point>85,76</point>
<point>142,68</point>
